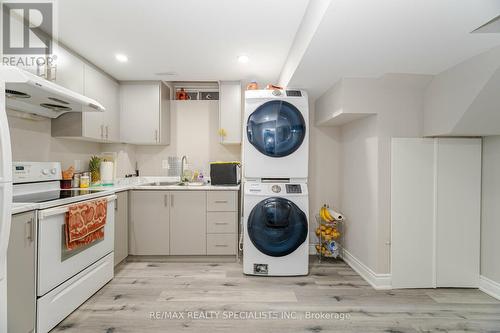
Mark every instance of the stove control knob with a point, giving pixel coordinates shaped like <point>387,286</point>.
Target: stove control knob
<point>45,171</point>
<point>53,171</point>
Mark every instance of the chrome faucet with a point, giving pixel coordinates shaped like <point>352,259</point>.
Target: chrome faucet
<point>184,159</point>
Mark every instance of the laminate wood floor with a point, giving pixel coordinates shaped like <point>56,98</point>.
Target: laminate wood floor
<point>155,296</point>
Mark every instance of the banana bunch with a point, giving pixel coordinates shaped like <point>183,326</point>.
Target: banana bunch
<point>325,215</point>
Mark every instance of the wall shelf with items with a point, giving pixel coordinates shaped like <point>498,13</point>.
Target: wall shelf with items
<point>196,91</point>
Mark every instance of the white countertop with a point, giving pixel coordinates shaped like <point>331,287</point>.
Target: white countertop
<point>124,184</point>
<point>141,183</point>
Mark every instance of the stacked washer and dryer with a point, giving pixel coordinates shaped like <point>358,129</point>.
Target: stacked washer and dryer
<point>275,162</point>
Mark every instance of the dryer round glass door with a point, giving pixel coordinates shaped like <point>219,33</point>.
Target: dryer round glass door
<point>276,128</point>
<point>277,227</point>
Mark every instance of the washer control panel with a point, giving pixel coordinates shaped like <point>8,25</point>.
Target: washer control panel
<point>275,189</point>
<point>293,188</point>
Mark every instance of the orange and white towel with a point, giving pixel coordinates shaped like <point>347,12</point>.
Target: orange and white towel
<point>85,223</point>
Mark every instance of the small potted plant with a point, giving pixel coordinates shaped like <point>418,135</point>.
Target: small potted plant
<point>94,168</point>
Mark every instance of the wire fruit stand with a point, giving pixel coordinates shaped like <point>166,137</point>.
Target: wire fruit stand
<point>330,233</point>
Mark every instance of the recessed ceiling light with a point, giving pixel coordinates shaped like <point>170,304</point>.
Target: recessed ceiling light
<point>243,59</point>
<point>166,73</point>
<point>121,57</point>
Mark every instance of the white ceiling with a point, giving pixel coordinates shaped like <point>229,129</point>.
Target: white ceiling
<point>198,39</point>
<point>368,38</point>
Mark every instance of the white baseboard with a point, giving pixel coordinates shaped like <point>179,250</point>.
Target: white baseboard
<point>376,280</point>
<point>489,287</point>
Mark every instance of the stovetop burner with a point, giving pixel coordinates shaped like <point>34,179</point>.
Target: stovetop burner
<point>51,195</point>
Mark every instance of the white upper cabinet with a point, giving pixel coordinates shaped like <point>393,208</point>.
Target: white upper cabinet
<point>70,70</point>
<point>102,125</point>
<point>230,112</point>
<point>145,113</point>
<point>73,73</point>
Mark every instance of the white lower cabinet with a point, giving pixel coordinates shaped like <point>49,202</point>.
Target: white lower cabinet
<point>221,244</point>
<point>149,227</point>
<point>187,223</point>
<point>21,281</point>
<point>121,227</point>
<point>435,212</point>
<point>222,222</point>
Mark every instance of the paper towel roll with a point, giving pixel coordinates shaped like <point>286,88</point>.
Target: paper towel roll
<point>107,170</point>
<point>337,216</point>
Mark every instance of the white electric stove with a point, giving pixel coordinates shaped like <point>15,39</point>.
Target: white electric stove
<point>65,278</point>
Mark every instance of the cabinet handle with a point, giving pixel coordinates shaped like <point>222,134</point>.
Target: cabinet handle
<point>102,131</point>
<point>220,201</point>
<point>107,131</point>
<point>156,135</point>
<point>116,204</point>
<point>171,200</point>
<point>221,223</point>
<point>29,227</point>
<point>221,245</point>
<point>165,200</point>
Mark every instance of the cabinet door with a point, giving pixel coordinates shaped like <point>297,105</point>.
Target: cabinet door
<point>412,213</point>
<point>21,274</point>
<point>112,114</point>
<point>70,70</point>
<point>93,126</point>
<point>230,111</point>
<point>458,213</point>
<point>121,227</point>
<point>188,223</point>
<point>140,113</point>
<point>149,232</point>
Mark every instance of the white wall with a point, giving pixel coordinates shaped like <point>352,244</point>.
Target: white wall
<point>456,93</point>
<point>490,219</point>
<point>31,141</point>
<point>397,102</point>
<point>324,169</point>
<point>359,187</point>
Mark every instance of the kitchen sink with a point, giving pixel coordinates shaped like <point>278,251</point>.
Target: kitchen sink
<point>175,183</point>
<point>165,183</point>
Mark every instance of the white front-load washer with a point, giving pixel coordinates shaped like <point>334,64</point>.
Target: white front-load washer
<point>276,229</point>
<point>276,134</point>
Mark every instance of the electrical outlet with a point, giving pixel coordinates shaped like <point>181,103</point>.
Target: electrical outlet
<point>164,164</point>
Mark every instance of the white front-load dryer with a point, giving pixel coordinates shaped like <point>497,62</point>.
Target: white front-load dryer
<point>276,229</point>
<point>276,134</point>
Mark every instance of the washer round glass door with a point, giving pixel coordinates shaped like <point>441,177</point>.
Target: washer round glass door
<point>276,129</point>
<point>277,227</point>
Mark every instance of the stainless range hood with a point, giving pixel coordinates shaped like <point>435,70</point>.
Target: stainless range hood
<point>29,93</point>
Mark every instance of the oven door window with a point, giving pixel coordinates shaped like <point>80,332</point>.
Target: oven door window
<point>276,129</point>
<point>66,254</point>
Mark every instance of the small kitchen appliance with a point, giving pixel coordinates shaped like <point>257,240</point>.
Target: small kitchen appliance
<point>225,173</point>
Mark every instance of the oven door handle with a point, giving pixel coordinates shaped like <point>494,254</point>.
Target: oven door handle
<point>64,209</point>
